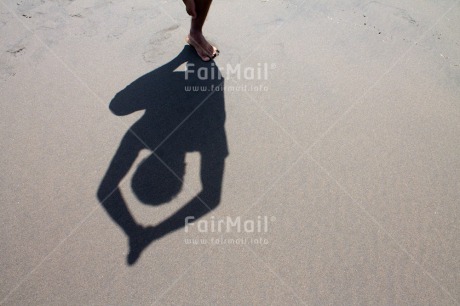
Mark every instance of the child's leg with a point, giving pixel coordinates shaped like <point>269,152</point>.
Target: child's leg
<point>195,38</point>
<point>190,7</point>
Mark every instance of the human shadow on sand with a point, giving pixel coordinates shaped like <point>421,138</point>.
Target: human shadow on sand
<point>184,112</point>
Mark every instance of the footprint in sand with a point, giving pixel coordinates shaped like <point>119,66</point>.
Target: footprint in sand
<point>159,43</point>
<point>16,51</point>
<point>6,71</point>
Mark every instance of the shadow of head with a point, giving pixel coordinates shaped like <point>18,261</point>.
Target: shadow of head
<point>158,180</point>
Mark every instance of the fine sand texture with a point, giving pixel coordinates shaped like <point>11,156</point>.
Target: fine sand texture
<point>321,150</point>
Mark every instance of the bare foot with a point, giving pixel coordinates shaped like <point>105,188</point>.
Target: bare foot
<point>204,49</point>
<point>190,7</point>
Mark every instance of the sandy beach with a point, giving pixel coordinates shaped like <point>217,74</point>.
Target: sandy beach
<point>321,150</point>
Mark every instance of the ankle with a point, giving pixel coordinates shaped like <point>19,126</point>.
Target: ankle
<point>196,32</point>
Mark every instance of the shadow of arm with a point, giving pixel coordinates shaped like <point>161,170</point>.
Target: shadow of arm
<point>137,95</point>
<point>212,170</point>
<point>130,99</point>
<point>109,194</point>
